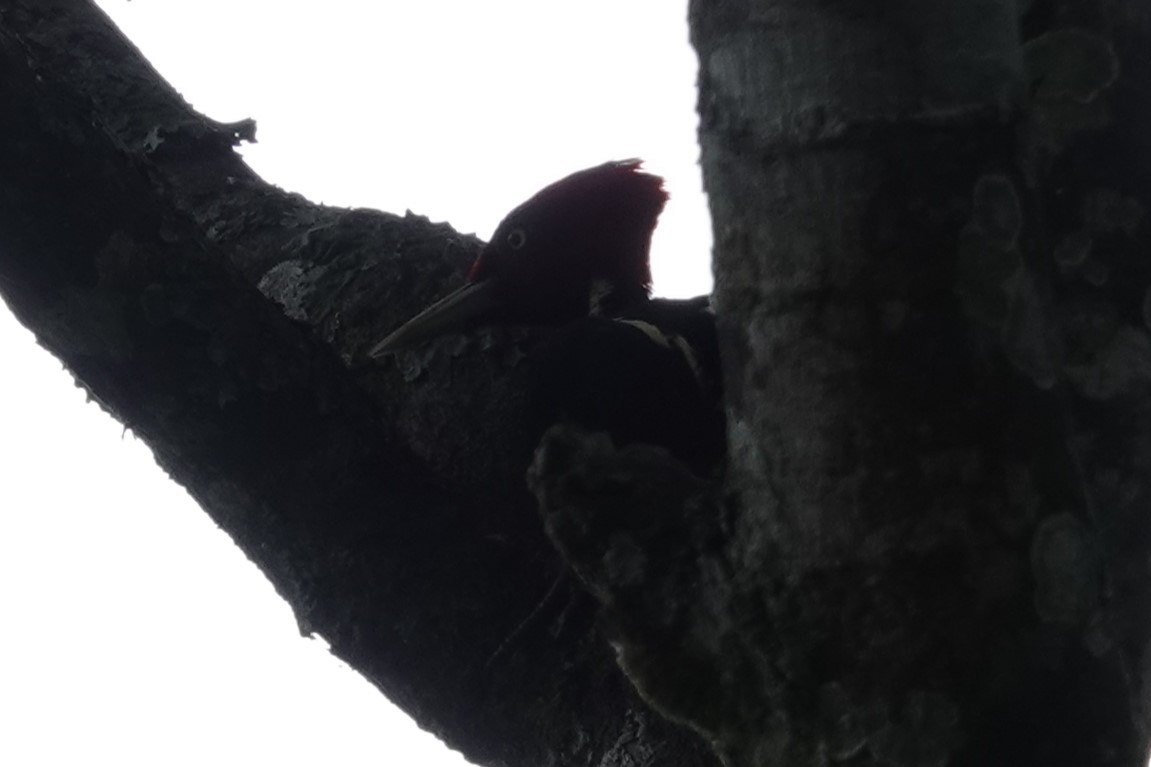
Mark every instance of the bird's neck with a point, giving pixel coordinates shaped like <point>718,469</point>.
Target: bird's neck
<point>609,298</point>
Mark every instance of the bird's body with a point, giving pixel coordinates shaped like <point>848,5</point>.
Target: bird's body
<point>639,381</point>
<point>575,256</point>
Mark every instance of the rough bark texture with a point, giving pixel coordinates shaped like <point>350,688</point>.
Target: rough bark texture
<point>224,321</point>
<point>934,301</point>
<point>932,545</point>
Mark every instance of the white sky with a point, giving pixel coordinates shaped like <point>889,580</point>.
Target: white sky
<point>133,631</point>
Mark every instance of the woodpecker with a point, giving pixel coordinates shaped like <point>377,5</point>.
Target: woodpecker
<point>575,256</point>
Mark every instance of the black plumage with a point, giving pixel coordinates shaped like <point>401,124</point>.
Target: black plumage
<point>575,256</point>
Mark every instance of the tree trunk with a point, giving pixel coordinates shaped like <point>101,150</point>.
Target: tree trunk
<point>934,310</point>
<point>932,286</point>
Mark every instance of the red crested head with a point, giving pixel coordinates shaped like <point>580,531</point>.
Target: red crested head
<point>577,246</point>
<point>582,237</point>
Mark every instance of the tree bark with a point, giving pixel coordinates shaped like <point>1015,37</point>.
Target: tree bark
<point>224,321</point>
<point>934,307</point>
<point>931,546</point>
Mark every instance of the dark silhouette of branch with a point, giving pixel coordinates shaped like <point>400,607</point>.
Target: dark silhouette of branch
<point>224,321</point>
<point>932,286</point>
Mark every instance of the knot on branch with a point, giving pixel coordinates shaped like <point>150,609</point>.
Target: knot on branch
<point>644,535</point>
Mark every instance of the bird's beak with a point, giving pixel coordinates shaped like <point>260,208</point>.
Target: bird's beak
<point>455,311</point>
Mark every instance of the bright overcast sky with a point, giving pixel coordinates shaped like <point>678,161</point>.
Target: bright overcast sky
<point>134,632</point>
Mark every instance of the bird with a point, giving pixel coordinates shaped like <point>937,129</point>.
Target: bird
<point>576,257</point>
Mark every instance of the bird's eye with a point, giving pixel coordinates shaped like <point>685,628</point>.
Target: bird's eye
<point>517,239</point>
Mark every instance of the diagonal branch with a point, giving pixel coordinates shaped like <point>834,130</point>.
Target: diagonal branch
<point>386,504</point>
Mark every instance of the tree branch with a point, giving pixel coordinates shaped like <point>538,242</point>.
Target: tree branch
<point>386,503</point>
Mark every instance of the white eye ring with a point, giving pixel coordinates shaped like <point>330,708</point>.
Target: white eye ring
<point>517,239</point>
